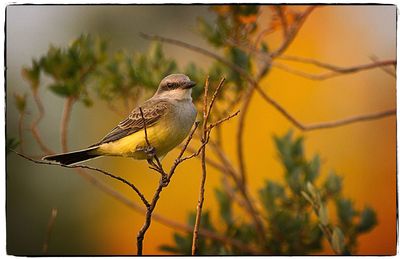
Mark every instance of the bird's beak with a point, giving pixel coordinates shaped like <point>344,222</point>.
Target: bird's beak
<point>189,84</point>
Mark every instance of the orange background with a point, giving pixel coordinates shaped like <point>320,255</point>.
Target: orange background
<point>91,222</point>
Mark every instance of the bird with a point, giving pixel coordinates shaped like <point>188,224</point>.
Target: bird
<point>167,119</point>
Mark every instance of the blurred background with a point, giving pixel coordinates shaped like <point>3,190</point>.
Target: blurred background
<point>90,222</point>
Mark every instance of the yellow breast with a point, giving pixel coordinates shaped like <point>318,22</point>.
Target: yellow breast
<point>169,132</point>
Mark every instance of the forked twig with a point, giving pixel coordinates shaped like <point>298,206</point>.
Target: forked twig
<point>205,136</point>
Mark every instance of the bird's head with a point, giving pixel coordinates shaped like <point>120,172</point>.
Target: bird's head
<point>176,86</point>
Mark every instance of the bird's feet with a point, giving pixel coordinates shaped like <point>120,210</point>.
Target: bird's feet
<point>151,156</point>
<point>164,181</point>
<point>150,152</point>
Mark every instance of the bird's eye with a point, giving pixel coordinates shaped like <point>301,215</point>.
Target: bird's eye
<point>170,85</point>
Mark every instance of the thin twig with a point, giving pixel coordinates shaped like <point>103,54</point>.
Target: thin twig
<point>240,133</point>
<point>281,14</point>
<point>325,125</point>
<point>50,225</point>
<point>65,121</point>
<point>349,120</point>
<point>339,69</point>
<point>206,131</point>
<point>165,179</point>
<point>253,83</point>
<point>385,69</point>
<point>206,113</point>
<point>34,126</point>
<point>197,49</point>
<point>214,97</point>
<point>209,161</point>
<point>335,70</point>
<point>20,131</point>
<point>218,122</point>
<point>292,33</point>
<point>118,178</point>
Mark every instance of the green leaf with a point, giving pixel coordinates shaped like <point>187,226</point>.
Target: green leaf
<point>311,190</point>
<point>345,211</point>
<point>313,168</point>
<point>20,102</point>
<point>323,215</point>
<point>270,194</point>
<point>264,47</point>
<point>307,197</point>
<point>367,220</point>
<point>333,183</point>
<point>168,248</point>
<point>225,206</point>
<point>63,90</point>
<point>213,35</point>
<point>87,101</point>
<point>32,74</point>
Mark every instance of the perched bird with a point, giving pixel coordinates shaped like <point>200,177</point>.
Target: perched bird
<point>169,116</point>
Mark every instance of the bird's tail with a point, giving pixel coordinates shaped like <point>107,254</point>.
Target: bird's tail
<point>74,157</point>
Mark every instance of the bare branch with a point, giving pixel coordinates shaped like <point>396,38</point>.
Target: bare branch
<point>335,70</point>
<point>197,49</point>
<point>349,120</point>
<point>282,17</point>
<point>206,113</point>
<point>292,33</point>
<point>386,69</point>
<point>35,123</point>
<point>240,133</point>
<point>20,131</point>
<point>64,122</point>
<point>165,179</point>
<point>209,161</point>
<point>339,69</point>
<point>324,125</point>
<point>218,122</point>
<point>50,225</point>
<point>206,131</point>
<point>120,179</point>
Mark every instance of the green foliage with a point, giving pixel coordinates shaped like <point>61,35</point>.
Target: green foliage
<point>233,25</point>
<point>295,212</point>
<point>32,74</point>
<point>367,220</point>
<point>85,66</point>
<point>68,68</point>
<point>183,242</point>
<point>20,102</point>
<point>125,76</point>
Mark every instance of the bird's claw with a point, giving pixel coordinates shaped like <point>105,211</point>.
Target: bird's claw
<point>149,151</point>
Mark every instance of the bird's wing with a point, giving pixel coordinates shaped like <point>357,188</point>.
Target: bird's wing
<point>153,110</point>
